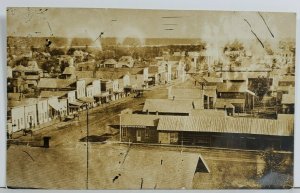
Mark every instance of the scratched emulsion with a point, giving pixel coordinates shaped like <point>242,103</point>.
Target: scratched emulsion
<point>150,99</point>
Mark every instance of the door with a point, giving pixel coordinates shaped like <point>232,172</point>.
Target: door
<point>138,135</point>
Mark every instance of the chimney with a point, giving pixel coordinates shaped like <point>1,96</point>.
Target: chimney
<point>156,112</point>
<point>147,111</point>
<point>193,105</point>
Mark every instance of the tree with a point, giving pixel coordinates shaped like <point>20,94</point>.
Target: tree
<point>277,171</point>
<point>260,86</point>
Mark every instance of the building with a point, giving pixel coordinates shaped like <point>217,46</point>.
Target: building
<point>53,84</point>
<point>170,107</point>
<point>139,128</point>
<point>211,131</point>
<point>25,77</point>
<point>244,133</point>
<point>125,62</point>
<point>110,63</point>
<point>28,113</point>
<point>235,93</point>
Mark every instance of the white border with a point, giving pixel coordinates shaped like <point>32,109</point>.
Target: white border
<point>230,5</point>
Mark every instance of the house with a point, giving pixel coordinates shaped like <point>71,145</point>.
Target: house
<point>106,90</point>
<point>110,63</point>
<point>284,85</point>
<point>85,91</point>
<point>138,128</point>
<point>238,92</point>
<point>30,76</point>
<point>125,61</point>
<point>86,66</point>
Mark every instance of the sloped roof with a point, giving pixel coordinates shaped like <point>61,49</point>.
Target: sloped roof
<point>84,74</point>
<point>159,168</point>
<point>69,70</point>
<point>112,75</point>
<point>168,106</point>
<point>55,83</point>
<point>139,119</point>
<point>186,93</point>
<point>47,94</point>
<point>208,113</point>
<point>226,125</point>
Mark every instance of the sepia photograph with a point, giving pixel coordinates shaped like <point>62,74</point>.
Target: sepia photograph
<point>150,99</point>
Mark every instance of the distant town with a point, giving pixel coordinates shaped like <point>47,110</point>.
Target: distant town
<point>153,113</point>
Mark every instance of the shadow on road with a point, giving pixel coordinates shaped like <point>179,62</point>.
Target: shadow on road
<point>97,138</point>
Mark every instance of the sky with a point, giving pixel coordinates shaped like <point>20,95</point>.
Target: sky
<point>121,23</point>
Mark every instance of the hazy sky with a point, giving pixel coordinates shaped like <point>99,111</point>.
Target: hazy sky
<point>71,22</point>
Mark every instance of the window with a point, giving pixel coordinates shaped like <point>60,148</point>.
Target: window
<point>124,132</point>
<point>147,133</point>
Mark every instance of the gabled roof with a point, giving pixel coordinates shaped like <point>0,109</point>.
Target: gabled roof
<point>226,125</point>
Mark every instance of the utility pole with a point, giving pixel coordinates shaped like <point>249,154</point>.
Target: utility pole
<point>87,146</point>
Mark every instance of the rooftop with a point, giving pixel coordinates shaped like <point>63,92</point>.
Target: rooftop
<point>208,113</point>
<point>226,125</point>
<point>47,94</point>
<point>168,106</point>
<point>185,93</point>
<point>55,83</point>
<point>139,119</point>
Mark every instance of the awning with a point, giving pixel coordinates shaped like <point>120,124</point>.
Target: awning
<point>87,99</point>
<point>76,103</point>
<point>103,94</point>
<point>55,106</point>
<point>119,91</point>
<point>128,87</point>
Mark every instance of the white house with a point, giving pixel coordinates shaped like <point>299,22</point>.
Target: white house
<point>43,110</point>
<point>80,89</point>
